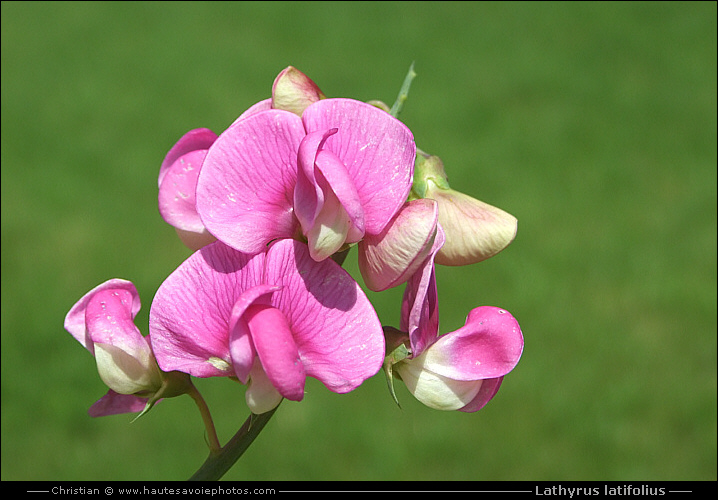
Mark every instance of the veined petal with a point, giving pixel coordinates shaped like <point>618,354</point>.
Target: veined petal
<point>113,403</point>
<point>474,230</point>
<point>255,108</point>
<point>337,332</point>
<point>75,321</point>
<point>274,342</point>
<point>109,320</point>
<point>308,194</point>
<point>489,388</point>
<point>377,150</point>
<point>192,310</point>
<point>177,192</point>
<point>420,303</point>
<point>489,345</point>
<point>333,176</point>
<point>326,202</point>
<point>246,185</point>
<point>241,347</point>
<point>391,257</point>
<point>329,229</point>
<point>434,390</point>
<point>194,140</point>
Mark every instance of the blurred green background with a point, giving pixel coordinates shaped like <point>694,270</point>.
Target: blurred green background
<point>593,123</point>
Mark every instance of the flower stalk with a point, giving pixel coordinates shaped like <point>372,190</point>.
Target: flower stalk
<point>214,446</point>
<point>218,463</point>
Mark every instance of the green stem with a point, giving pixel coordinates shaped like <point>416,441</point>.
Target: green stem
<point>218,463</point>
<point>214,446</point>
<point>403,93</point>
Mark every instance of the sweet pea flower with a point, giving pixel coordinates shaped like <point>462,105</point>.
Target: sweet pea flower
<point>292,91</point>
<point>337,173</point>
<point>103,322</point>
<point>269,319</point>
<point>461,370</point>
<point>474,230</point>
<point>177,184</point>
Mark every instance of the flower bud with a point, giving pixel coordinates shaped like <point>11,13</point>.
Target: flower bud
<point>103,322</point>
<point>294,91</point>
<point>474,230</point>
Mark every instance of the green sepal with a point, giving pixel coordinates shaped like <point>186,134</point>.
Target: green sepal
<point>173,384</point>
<point>400,353</point>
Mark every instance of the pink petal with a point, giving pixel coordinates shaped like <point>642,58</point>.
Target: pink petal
<point>336,330</point>
<point>109,320</point>
<point>391,257</point>
<point>194,140</point>
<point>195,240</point>
<point>420,306</point>
<point>325,196</point>
<point>334,175</point>
<point>245,188</point>
<point>488,346</point>
<point>308,195</point>
<point>489,388</point>
<point>256,108</point>
<point>273,339</point>
<point>241,347</point>
<point>330,230</point>
<point>75,319</point>
<point>115,404</point>
<point>191,313</point>
<point>177,192</point>
<point>377,150</point>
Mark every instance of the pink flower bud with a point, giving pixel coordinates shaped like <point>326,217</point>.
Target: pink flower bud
<point>294,91</point>
<point>103,322</point>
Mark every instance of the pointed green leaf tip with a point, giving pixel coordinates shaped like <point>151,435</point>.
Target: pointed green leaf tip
<point>174,384</point>
<point>403,93</point>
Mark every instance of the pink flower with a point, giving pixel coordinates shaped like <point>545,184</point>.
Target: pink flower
<point>461,370</point>
<point>270,319</point>
<point>103,322</point>
<point>338,173</point>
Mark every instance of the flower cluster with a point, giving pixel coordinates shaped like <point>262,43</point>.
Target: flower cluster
<point>271,207</point>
